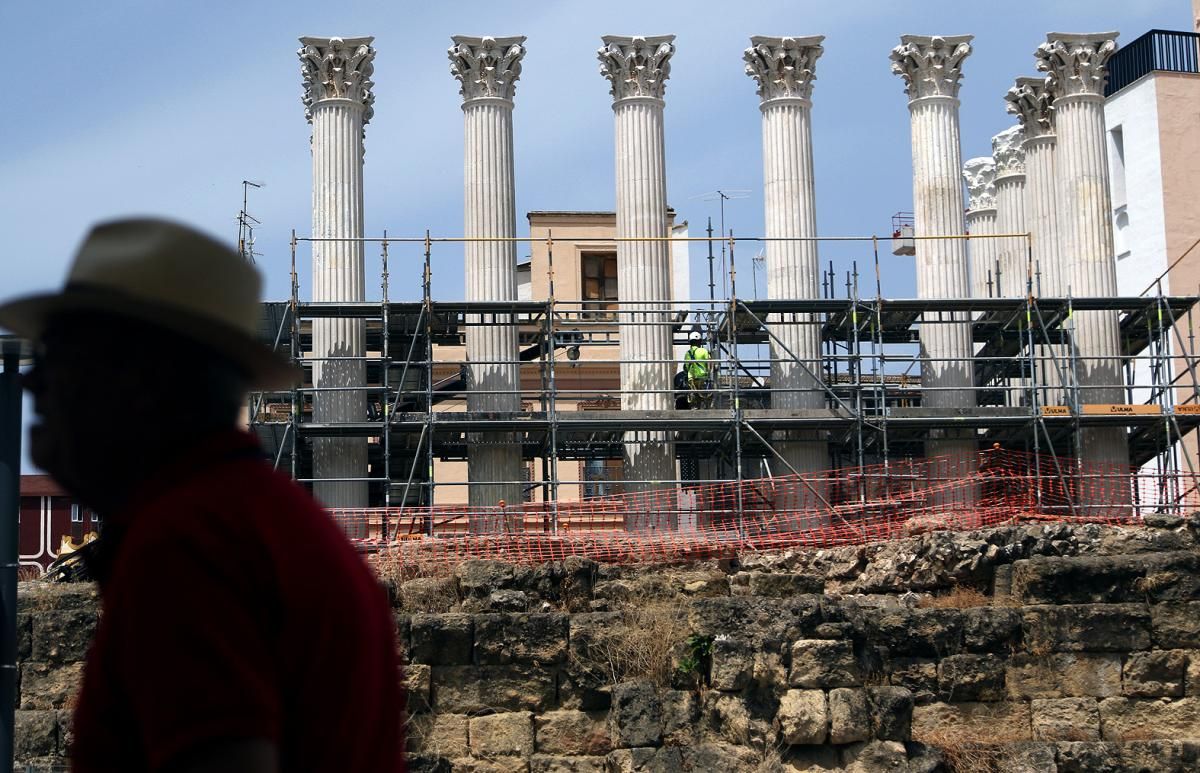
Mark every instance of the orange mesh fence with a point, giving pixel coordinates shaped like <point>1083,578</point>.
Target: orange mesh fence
<point>846,506</point>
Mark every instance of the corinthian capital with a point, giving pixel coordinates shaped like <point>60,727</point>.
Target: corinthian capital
<point>636,66</point>
<point>980,174</point>
<point>784,68</point>
<point>931,66</point>
<point>337,68</point>
<point>1008,150</point>
<point>1076,65</point>
<point>486,67</point>
<point>1032,103</point>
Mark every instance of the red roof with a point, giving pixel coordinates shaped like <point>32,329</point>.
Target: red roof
<point>40,486</point>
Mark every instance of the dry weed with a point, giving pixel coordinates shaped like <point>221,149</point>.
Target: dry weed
<point>956,598</point>
<point>397,566</point>
<point>640,646</point>
<point>972,747</point>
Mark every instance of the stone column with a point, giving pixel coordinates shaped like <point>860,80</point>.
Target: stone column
<point>337,101</point>
<point>931,69</point>
<point>488,69</point>
<point>637,69</point>
<point>980,176</point>
<point>1030,100</point>
<point>784,69</point>
<point>1077,68</point>
<point>1009,155</point>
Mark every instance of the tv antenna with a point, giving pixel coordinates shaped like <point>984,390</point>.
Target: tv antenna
<point>723,195</point>
<point>247,223</point>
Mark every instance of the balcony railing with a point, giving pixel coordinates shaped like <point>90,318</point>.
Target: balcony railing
<point>1161,50</point>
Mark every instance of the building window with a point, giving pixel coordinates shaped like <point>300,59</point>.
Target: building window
<point>1117,173</point>
<point>76,514</point>
<point>601,477</point>
<point>598,285</point>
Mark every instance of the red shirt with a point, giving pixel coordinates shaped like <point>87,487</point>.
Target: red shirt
<point>236,609</point>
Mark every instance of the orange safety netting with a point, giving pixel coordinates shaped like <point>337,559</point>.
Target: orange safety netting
<point>849,505</point>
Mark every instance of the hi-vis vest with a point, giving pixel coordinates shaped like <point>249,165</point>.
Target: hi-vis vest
<point>697,362</point>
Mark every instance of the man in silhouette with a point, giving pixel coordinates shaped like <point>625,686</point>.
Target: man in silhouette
<point>240,632</point>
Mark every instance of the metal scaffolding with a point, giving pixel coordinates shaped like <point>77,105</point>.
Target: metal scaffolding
<point>1027,397</point>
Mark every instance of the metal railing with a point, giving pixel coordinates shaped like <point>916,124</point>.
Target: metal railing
<point>1157,50</point>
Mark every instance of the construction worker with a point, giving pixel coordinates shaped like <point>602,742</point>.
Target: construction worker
<point>696,365</point>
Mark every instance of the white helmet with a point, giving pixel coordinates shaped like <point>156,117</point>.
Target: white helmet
<point>695,336</point>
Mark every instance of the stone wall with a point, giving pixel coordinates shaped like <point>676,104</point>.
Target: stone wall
<point>1024,648</point>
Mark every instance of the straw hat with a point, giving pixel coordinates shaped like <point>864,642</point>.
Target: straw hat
<point>168,275</point>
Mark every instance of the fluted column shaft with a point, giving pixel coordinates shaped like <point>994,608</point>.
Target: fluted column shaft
<point>941,263</point>
<point>1010,219</point>
<point>1041,192</point>
<point>983,252</point>
<point>1048,280</point>
<point>491,275</point>
<point>338,276</point>
<point>644,279</point>
<point>789,203</point>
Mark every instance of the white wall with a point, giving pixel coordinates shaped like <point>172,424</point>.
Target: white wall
<point>1139,226</point>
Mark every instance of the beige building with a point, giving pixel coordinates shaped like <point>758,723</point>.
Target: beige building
<point>571,257</point>
<point>1152,116</point>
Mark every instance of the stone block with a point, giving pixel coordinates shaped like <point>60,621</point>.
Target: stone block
<point>1009,720</point>
<point>681,715</point>
<point>1065,719</point>
<point>645,760</point>
<point>991,629</point>
<point>544,763</point>
<point>1156,674</point>
<point>732,663</point>
<point>502,735</point>
<point>441,640</point>
<point>1191,679</point>
<point>730,720</point>
<point>1126,719</point>
<point>927,633</point>
<point>473,689</point>
<point>823,663</point>
<point>62,635</point>
<point>1069,675</point>
<point>891,713</point>
<point>1077,580</point>
<point>493,765</point>
<point>773,585</point>
<point>24,636</point>
<point>1140,756</point>
<point>418,685</point>
<point>1030,757</point>
<point>971,678</point>
<point>917,675</point>
<point>803,717</point>
<point>635,719</point>
<point>538,639</point>
<point>66,731</point>
<point>35,734</point>
<point>1087,627</point>
<point>874,757</point>
<point>1176,624</point>
<point>440,735</point>
<point>719,756</point>
<point>45,686</point>
<point>582,690</point>
<point>811,759</point>
<point>849,716</point>
<point>572,733</point>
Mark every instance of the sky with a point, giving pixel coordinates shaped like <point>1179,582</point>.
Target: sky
<point>163,108</point>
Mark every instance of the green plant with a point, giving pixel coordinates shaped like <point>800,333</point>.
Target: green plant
<point>697,655</point>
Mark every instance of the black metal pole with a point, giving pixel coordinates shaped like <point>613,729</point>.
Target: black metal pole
<point>10,503</point>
